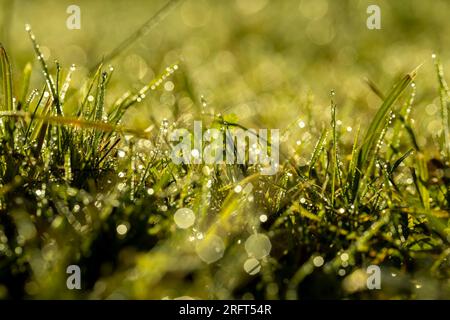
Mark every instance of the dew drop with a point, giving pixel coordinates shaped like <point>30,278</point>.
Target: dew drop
<point>169,86</point>
<point>195,153</point>
<point>206,170</point>
<point>121,153</point>
<point>121,229</point>
<point>199,235</point>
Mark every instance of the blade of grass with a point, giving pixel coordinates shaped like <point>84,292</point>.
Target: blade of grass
<point>48,77</point>
<point>25,85</point>
<point>444,94</point>
<point>317,150</point>
<point>335,163</point>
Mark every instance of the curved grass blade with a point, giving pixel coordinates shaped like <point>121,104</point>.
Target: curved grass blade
<point>159,16</point>
<point>375,129</point>
<point>7,80</point>
<point>399,161</point>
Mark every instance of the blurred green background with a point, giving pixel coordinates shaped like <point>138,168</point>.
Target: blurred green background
<point>249,56</point>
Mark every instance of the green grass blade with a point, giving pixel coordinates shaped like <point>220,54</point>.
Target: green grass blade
<point>335,163</point>
<point>374,130</point>
<point>400,160</point>
<point>52,86</point>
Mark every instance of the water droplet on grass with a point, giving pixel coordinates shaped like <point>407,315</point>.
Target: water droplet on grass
<point>184,218</point>
<point>210,249</point>
<point>258,246</point>
<point>252,266</point>
<point>169,86</point>
<point>318,261</point>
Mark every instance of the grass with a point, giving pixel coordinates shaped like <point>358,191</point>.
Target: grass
<point>78,186</point>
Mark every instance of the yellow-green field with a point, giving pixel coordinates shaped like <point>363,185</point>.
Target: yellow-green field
<point>87,178</point>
